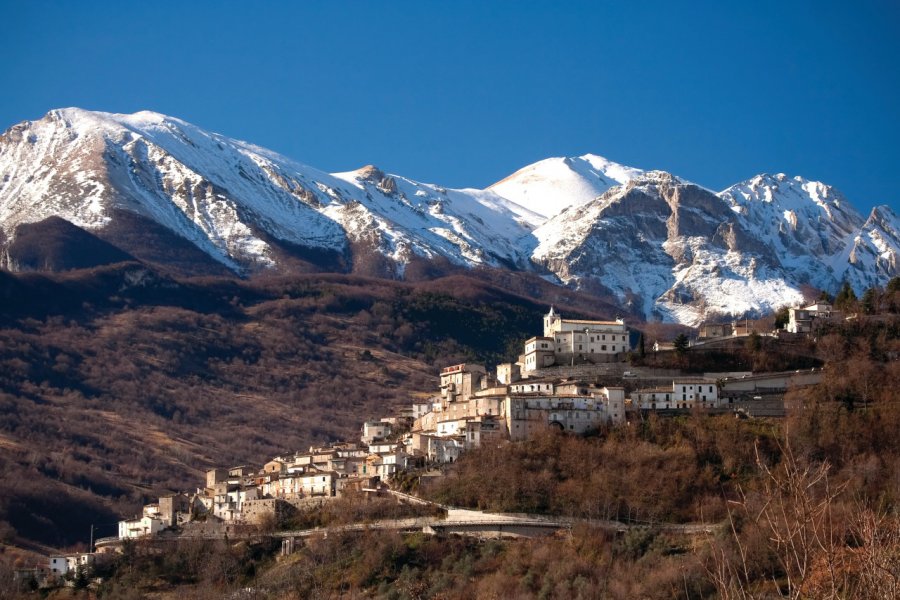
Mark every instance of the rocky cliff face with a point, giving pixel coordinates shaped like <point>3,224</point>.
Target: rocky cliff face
<point>161,190</point>
<point>665,248</point>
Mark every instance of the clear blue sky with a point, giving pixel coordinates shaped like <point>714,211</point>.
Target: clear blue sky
<point>464,93</point>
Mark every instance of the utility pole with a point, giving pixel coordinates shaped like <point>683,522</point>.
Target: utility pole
<point>91,546</point>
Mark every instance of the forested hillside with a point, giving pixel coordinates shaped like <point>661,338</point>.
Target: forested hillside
<point>119,383</point>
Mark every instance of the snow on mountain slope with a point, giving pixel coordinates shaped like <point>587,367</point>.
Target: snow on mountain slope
<point>874,255</point>
<point>549,186</point>
<point>662,246</point>
<point>809,224</point>
<point>81,166</point>
<point>476,226</point>
<point>233,199</point>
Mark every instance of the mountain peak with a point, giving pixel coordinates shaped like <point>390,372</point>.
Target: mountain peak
<point>664,246</point>
<point>74,116</point>
<point>549,186</point>
<point>370,173</point>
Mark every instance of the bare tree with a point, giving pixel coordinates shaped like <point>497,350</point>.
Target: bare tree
<point>794,512</point>
<point>876,554</point>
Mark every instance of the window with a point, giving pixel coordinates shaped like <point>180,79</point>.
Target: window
<point>604,337</point>
<point>614,348</point>
<point>603,347</point>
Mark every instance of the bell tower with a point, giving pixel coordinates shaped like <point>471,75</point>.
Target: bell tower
<point>551,323</point>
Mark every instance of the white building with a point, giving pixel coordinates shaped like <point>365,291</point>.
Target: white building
<point>803,320</point>
<point>229,500</point>
<point>459,382</point>
<point>684,394</point>
<point>375,430</point>
<point>566,407</point>
<point>142,527</point>
<point>59,566</point>
<point>569,340</point>
<point>82,560</point>
<point>540,352</point>
<point>436,448</point>
<point>312,483</point>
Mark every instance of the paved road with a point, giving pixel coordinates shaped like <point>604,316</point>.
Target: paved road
<point>459,520</point>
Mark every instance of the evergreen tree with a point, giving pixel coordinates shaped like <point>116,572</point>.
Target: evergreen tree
<point>845,298</point>
<point>782,317</point>
<point>892,295</point>
<point>681,344</point>
<point>870,301</point>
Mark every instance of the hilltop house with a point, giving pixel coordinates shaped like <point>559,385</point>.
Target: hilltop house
<point>805,319</point>
<point>566,341</point>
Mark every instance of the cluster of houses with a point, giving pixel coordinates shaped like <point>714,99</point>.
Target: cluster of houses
<point>473,407</point>
<point>284,484</point>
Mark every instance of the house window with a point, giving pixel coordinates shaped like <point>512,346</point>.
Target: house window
<point>604,337</point>
<point>603,347</point>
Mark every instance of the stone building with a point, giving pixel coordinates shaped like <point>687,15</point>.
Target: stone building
<point>569,341</point>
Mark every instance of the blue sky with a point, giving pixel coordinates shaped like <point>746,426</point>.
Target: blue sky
<point>464,93</point>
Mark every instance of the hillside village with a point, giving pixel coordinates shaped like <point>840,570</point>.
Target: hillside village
<point>556,382</point>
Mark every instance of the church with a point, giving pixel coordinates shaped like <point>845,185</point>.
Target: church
<point>576,341</point>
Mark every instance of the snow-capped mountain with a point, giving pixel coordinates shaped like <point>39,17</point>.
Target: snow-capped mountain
<point>551,185</point>
<point>242,205</point>
<point>665,247</point>
<point>162,190</point>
